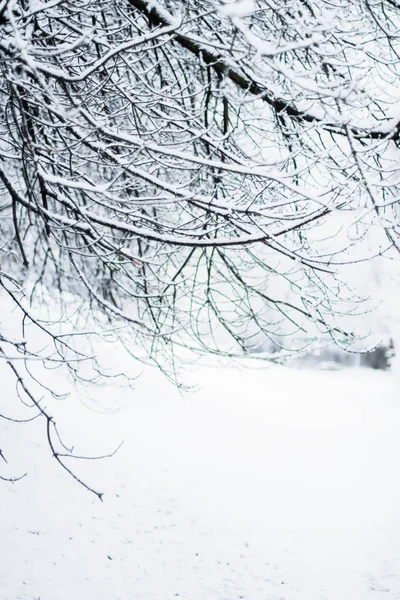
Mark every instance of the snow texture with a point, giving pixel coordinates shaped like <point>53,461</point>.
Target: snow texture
<point>240,8</point>
<point>266,484</point>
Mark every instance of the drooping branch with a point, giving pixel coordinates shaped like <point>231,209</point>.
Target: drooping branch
<point>224,66</point>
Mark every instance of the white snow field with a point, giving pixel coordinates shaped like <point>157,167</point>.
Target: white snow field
<point>268,484</point>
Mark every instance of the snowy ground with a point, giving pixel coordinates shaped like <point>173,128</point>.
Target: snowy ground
<point>268,484</point>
